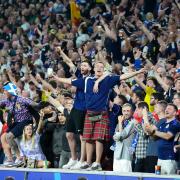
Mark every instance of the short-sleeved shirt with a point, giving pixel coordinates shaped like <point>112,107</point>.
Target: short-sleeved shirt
<point>79,101</point>
<point>152,147</point>
<point>165,147</point>
<point>96,101</point>
<point>31,148</point>
<point>21,110</point>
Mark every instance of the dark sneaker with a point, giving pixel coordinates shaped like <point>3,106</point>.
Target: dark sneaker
<point>95,167</point>
<point>19,162</point>
<point>85,166</point>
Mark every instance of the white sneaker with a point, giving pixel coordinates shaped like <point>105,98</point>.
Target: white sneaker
<point>77,166</point>
<point>9,163</point>
<point>19,162</point>
<point>70,164</point>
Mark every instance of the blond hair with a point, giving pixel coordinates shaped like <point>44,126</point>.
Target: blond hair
<point>127,105</point>
<point>99,62</point>
<point>24,139</point>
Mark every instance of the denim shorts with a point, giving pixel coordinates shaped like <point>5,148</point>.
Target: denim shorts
<point>17,127</point>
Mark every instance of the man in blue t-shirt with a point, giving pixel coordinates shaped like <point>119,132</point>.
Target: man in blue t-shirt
<point>166,133</point>
<point>75,123</point>
<point>96,126</point>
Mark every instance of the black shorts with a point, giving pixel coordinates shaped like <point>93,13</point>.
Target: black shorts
<point>17,127</point>
<point>75,124</point>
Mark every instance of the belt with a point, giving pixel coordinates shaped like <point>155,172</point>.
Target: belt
<point>94,113</point>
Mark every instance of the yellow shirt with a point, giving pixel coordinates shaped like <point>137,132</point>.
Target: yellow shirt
<point>45,95</point>
<point>147,99</point>
<point>100,1</point>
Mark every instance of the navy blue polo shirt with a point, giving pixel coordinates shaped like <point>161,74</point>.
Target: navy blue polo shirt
<point>165,147</point>
<point>96,101</point>
<point>79,101</point>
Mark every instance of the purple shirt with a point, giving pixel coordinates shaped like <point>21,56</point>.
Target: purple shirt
<point>21,109</point>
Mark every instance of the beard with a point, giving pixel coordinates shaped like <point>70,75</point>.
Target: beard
<point>84,72</point>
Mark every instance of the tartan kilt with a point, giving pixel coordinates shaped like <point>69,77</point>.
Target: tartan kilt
<point>96,130</point>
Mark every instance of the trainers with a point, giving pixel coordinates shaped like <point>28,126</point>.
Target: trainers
<point>95,167</point>
<point>85,165</point>
<point>19,162</point>
<point>9,163</point>
<point>70,164</point>
<point>77,166</point>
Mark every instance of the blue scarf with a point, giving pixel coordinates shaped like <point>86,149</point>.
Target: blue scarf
<point>132,148</point>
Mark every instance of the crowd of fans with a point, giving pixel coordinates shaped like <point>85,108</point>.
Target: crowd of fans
<point>99,94</point>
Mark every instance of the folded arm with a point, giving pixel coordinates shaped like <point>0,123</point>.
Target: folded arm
<point>163,135</point>
<point>95,88</point>
<point>126,132</point>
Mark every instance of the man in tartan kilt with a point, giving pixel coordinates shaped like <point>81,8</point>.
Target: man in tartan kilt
<point>96,126</point>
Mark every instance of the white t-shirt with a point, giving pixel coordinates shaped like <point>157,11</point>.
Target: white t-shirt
<point>33,152</point>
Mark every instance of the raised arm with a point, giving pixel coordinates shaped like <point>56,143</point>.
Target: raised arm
<point>110,33</point>
<point>34,80</point>
<point>40,124</point>
<point>141,26</point>
<point>66,59</point>
<point>63,80</point>
<point>140,83</point>
<point>177,4</point>
<point>145,120</point>
<point>12,79</point>
<point>159,79</point>
<point>56,104</point>
<point>131,74</point>
<point>45,84</point>
<point>161,82</point>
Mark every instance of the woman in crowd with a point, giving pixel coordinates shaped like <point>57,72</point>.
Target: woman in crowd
<point>30,148</point>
